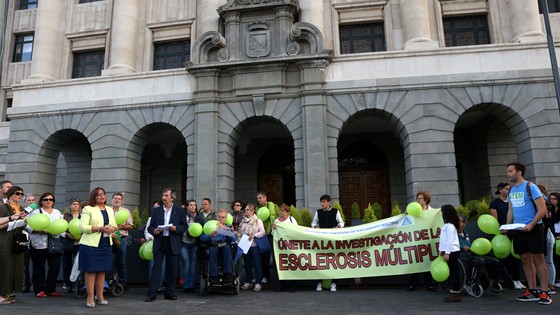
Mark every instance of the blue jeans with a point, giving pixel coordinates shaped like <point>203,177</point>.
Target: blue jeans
<point>120,258</point>
<point>213,256</point>
<point>253,260</point>
<point>549,257</point>
<point>188,264</point>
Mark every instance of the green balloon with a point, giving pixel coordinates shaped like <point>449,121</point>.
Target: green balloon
<point>121,216</point>
<point>326,284</point>
<point>58,226</point>
<point>149,250</point>
<point>557,248</point>
<point>440,271</point>
<point>501,246</point>
<point>229,219</point>
<point>195,229</point>
<point>414,209</point>
<point>210,227</point>
<point>263,213</point>
<point>488,224</point>
<point>38,222</point>
<point>481,246</point>
<point>141,252</point>
<point>74,228</point>
<point>435,262</point>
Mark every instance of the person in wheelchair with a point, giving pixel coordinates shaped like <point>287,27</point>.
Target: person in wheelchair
<point>219,248</point>
<point>472,260</point>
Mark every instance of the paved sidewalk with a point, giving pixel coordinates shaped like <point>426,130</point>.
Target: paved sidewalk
<point>374,300</point>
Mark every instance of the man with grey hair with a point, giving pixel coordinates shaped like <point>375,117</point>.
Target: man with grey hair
<point>167,225</point>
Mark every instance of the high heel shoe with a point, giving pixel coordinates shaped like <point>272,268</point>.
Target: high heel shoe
<point>101,302</point>
<point>90,304</point>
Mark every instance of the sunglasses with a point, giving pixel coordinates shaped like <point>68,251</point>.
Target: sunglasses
<point>18,193</point>
<point>48,199</point>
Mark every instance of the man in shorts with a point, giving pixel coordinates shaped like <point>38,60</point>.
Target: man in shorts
<point>527,206</point>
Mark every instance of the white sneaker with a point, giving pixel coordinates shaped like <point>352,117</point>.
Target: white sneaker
<point>319,287</point>
<point>264,280</point>
<point>247,286</point>
<point>333,287</point>
<point>519,285</point>
<point>258,287</point>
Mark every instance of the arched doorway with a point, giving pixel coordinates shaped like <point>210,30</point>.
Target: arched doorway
<point>363,177</point>
<point>264,161</point>
<point>483,147</point>
<point>164,162</point>
<point>276,174</point>
<point>65,165</point>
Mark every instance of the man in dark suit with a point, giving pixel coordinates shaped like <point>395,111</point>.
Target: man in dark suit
<point>167,224</point>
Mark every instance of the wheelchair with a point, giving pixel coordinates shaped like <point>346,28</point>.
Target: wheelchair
<point>480,279</point>
<point>222,284</point>
<point>474,277</point>
<point>112,285</point>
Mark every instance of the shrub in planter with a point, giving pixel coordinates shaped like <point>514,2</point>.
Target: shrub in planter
<point>356,213</point>
<point>396,210</point>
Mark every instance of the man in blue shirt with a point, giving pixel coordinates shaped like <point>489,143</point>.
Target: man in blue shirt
<point>527,206</point>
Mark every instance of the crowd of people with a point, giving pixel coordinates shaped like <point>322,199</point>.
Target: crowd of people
<point>102,246</point>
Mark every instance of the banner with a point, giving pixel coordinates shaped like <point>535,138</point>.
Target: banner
<point>397,245</point>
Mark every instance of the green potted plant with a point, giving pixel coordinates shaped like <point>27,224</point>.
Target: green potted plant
<point>356,214</point>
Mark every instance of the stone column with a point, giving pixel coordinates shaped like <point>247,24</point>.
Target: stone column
<point>47,44</point>
<point>124,35</point>
<point>315,149</point>
<point>312,11</point>
<point>430,163</point>
<point>525,21</point>
<point>206,152</point>
<point>415,21</point>
<point>207,16</point>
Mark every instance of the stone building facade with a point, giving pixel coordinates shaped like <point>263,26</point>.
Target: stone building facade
<point>368,101</point>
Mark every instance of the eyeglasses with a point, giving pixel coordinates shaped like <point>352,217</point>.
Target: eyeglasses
<point>48,199</point>
<point>247,209</point>
<point>100,194</point>
<point>18,193</point>
<point>237,205</point>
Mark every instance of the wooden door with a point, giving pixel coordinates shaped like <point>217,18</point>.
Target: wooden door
<point>363,187</point>
<point>272,185</point>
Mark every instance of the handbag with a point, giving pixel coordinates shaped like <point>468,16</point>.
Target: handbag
<point>54,245</point>
<point>263,244</point>
<point>20,242</point>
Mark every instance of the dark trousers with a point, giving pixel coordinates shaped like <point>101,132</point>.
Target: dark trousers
<point>41,283</point>
<point>453,264</point>
<point>171,266</point>
<point>26,272</point>
<point>265,260</point>
<point>253,260</point>
<point>213,255</point>
<point>67,263</point>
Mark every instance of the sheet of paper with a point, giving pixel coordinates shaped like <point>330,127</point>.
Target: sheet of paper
<point>225,232</point>
<point>245,243</point>
<point>15,224</point>
<point>515,226</point>
<point>165,227</point>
